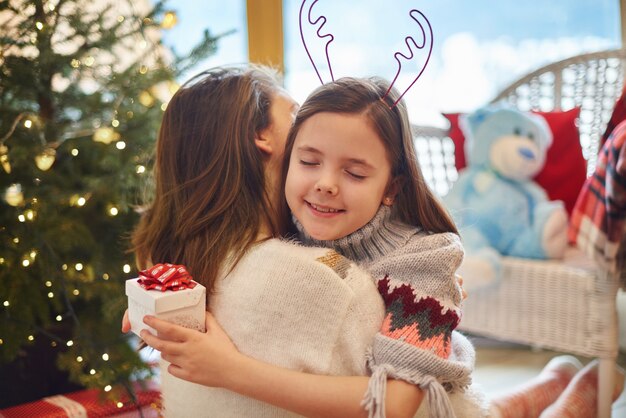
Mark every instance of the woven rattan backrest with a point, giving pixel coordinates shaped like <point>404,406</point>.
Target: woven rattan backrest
<point>591,81</point>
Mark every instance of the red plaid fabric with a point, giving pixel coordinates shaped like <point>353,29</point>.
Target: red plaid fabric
<point>598,222</point>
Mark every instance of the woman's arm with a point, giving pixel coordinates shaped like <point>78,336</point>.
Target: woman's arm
<point>211,359</point>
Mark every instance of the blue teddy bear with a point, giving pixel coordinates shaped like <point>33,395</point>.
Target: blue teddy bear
<point>499,209</point>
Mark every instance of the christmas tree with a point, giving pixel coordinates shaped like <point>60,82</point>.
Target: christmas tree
<point>83,86</point>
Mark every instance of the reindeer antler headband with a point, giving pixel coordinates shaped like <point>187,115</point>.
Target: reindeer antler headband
<point>425,36</point>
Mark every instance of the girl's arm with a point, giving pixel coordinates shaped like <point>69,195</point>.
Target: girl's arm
<point>211,359</point>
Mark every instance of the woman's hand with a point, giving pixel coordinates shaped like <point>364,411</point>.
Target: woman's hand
<point>204,358</point>
<point>125,322</point>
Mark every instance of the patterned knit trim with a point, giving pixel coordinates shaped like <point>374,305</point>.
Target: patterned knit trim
<point>413,364</point>
<point>377,238</point>
<point>423,323</point>
<point>337,262</point>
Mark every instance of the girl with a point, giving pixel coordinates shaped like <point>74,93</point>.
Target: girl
<point>350,151</point>
<point>353,183</point>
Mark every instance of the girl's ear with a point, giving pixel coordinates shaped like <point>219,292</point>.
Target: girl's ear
<point>392,191</point>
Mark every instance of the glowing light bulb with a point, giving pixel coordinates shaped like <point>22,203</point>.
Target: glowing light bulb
<point>78,266</point>
<point>105,357</point>
<point>126,268</point>
<point>107,388</point>
<point>69,343</point>
<point>169,20</point>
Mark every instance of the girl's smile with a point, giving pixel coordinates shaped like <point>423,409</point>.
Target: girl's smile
<point>324,211</point>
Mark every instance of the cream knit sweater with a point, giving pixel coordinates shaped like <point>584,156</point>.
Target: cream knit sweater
<point>305,309</point>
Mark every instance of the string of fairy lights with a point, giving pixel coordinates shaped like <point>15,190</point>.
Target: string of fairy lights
<point>14,194</point>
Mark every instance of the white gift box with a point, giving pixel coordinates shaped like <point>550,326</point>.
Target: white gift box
<point>183,307</point>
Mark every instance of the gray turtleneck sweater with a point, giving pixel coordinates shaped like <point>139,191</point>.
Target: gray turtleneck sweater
<point>415,275</point>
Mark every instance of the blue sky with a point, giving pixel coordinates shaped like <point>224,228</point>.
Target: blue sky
<point>479,45</point>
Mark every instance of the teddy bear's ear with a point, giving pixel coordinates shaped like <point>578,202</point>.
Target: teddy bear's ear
<point>544,133</point>
<point>469,124</point>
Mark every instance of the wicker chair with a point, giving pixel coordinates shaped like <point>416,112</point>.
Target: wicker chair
<point>567,305</point>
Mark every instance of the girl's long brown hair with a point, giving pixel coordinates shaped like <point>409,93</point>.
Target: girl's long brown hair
<point>415,204</point>
<point>211,198</point>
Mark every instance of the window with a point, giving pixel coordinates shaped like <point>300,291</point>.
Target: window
<point>479,46</point>
<point>219,18</point>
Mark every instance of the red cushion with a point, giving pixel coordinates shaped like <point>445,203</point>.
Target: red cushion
<point>565,169</point>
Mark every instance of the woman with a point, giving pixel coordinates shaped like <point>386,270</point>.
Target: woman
<point>217,169</point>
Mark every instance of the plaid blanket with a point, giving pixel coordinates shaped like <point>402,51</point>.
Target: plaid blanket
<point>598,223</point>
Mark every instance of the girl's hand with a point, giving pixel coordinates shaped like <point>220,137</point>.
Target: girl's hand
<point>204,358</point>
<point>459,279</point>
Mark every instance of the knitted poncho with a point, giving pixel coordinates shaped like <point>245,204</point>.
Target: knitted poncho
<point>415,275</point>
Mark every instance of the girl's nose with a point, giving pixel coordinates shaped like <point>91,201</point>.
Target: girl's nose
<point>327,186</point>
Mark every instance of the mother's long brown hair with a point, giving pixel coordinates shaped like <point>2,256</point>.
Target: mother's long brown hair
<point>210,199</point>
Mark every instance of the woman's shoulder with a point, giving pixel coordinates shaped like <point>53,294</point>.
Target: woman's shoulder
<point>318,274</point>
<point>289,256</point>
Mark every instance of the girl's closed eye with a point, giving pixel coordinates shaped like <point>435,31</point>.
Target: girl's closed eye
<point>308,163</point>
<point>355,175</point>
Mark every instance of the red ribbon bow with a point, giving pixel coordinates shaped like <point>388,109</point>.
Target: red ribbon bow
<point>166,277</point>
